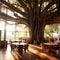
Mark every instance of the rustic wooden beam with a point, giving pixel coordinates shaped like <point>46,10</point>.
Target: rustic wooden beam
<point>21,17</point>
<point>9,18</point>
<point>15,9</point>
<point>54,22</point>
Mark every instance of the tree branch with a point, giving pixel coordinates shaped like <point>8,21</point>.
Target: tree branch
<point>49,5</point>
<point>53,18</point>
<point>30,6</point>
<point>40,7</point>
<point>21,17</point>
<point>24,6</point>
<point>14,8</point>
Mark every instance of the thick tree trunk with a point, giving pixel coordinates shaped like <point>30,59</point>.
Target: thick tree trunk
<point>37,31</point>
<point>33,32</point>
<point>40,34</point>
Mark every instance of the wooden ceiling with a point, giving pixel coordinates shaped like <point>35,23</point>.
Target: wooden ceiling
<point>32,10</point>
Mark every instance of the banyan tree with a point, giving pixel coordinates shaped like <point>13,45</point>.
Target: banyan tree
<point>35,13</point>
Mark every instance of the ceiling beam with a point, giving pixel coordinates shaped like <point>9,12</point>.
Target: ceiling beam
<point>9,18</point>
<point>15,9</point>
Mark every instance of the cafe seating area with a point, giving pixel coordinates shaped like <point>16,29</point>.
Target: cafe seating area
<point>32,53</point>
<point>29,29</point>
<point>18,46</point>
<point>50,47</point>
<point>21,50</point>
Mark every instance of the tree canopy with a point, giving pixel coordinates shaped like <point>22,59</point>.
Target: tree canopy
<point>35,13</point>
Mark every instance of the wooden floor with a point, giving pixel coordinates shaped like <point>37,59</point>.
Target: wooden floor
<point>33,53</point>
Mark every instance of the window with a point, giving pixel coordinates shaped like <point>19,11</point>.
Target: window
<point>13,32</point>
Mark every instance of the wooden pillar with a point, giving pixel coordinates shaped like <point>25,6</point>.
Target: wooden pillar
<point>0,35</point>
<point>15,33</point>
<point>5,42</point>
<point>0,11</point>
<point>5,32</point>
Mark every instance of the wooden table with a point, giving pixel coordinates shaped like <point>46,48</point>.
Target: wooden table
<point>19,46</point>
<point>51,46</point>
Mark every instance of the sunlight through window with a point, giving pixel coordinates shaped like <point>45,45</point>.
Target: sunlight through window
<point>14,32</point>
